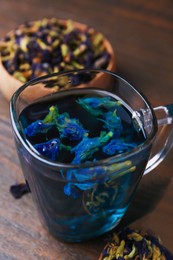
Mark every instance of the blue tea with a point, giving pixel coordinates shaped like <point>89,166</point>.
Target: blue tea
<point>82,132</point>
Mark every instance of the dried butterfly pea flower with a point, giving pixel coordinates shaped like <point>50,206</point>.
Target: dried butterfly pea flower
<point>134,244</point>
<point>83,181</point>
<point>97,105</point>
<point>84,178</point>
<point>117,146</point>
<point>67,127</point>
<point>88,146</point>
<point>37,127</point>
<point>61,45</point>
<point>108,190</point>
<point>99,198</point>
<point>112,122</point>
<point>51,148</point>
<point>18,190</point>
<point>70,128</point>
<point>83,151</point>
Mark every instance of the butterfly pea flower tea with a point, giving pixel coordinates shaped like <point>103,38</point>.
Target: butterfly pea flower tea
<point>83,152</point>
<point>89,128</point>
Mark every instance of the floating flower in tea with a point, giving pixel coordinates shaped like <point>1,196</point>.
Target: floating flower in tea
<point>117,146</point>
<point>51,148</point>
<point>113,123</point>
<point>70,128</point>
<point>67,127</point>
<point>88,146</point>
<point>97,106</point>
<point>37,127</point>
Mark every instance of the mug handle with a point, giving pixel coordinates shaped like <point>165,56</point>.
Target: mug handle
<point>164,138</point>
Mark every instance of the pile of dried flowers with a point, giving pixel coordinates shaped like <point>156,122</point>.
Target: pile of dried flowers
<point>134,244</point>
<point>51,45</point>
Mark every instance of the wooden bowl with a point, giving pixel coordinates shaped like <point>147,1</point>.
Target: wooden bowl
<point>9,84</point>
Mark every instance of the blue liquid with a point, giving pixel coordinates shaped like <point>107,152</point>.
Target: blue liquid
<point>85,203</point>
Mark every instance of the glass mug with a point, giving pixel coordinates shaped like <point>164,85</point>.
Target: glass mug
<point>104,187</point>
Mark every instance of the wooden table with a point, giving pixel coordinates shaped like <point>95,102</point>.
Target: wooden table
<point>141,33</point>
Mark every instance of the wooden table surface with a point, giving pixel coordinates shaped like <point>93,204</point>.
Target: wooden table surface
<point>141,33</point>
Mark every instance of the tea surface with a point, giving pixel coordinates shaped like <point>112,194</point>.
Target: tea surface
<point>80,128</point>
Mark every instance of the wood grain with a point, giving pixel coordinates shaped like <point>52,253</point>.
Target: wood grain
<point>141,33</point>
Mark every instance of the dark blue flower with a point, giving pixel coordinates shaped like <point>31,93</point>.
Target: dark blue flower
<point>20,189</point>
<point>75,80</point>
<point>85,149</point>
<point>82,179</point>
<point>88,146</point>
<point>70,127</point>
<point>71,190</point>
<point>33,46</point>
<point>71,36</point>
<point>73,131</point>
<point>117,146</point>
<point>142,247</point>
<point>49,149</point>
<point>88,59</point>
<point>36,128</point>
<point>113,123</point>
<point>46,56</point>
